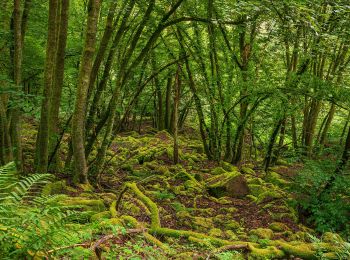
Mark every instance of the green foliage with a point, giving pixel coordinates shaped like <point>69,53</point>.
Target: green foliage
<point>31,224</point>
<point>329,211</point>
<point>162,195</point>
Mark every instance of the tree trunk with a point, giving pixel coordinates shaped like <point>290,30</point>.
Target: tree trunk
<point>80,174</point>
<point>15,113</point>
<point>327,124</point>
<point>168,103</point>
<point>43,132</point>
<point>176,113</point>
<point>58,82</point>
<point>269,152</point>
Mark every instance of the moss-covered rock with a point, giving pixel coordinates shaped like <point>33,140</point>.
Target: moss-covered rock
<point>57,187</point>
<point>232,225</point>
<point>232,184</point>
<point>268,196</point>
<point>216,232</point>
<point>247,170</point>
<point>263,233</point>
<point>297,249</point>
<point>332,238</point>
<point>275,178</point>
<point>100,215</point>
<point>201,222</point>
<point>228,167</point>
<point>278,227</point>
<point>270,252</point>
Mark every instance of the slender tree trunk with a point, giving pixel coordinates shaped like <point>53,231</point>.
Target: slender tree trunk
<point>15,113</point>
<point>344,129</point>
<point>294,133</point>
<point>58,82</point>
<point>327,125</point>
<point>168,103</point>
<point>78,134</point>
<point>176,113</point>
<point>42,150</point>
<point>269,152</point>
<point>107,34</point>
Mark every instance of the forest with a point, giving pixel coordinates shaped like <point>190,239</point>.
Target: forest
<point>174,129</point>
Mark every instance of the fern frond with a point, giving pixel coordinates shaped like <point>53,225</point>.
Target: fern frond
<point>16,190</point>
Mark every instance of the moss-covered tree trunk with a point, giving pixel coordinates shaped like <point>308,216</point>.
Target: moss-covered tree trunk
<point>15,114</point>
<point>78,134</point>
<point>42,145</point>
<point>176,114</point>
<point>56,93</point>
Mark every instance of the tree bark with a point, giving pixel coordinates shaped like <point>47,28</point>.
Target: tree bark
<point>58,82</point>
<point>176,113</point>
<point>78,143</point>
<point>15,125</point>
<point>43,132</point>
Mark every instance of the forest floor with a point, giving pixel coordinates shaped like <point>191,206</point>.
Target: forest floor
<point>197,209</point>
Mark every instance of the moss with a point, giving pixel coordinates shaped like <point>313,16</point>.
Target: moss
<point>228,183</point>
<point>156,242</point>
<point>278,227</point>
<point>247,170</point>
<point>86,187</point>
<point>201,222</point>
<point>112,209</point>
<point>100,215</point>
<point>264,233</point>
<point>275,178</point>
<point>216,232</point>
<point>108,198</point>
<point>186,234</point>
<point>111,222</point>
<point>220,219</point>
<point>131,208</point>
<point>332,238</point>
<point>231,235</point>
<point>57,187</point>
<point>228,167</point>
<point>278,216</point>
<point>270,252</point>
<point>233,225</point>
<point>155,222</point>
<point>129,221</point>
<point>300,235</point>
<point>183,215</point>
<point>255,180</point>
<point>193,186</point>
<point>268,196</point>
<point>256,189</point>
<point>298,249</point>
<point>185,256</point>
<point>87,204</point>
<point>228,210</point>
<point>252,197</point>
<point>217,171</point>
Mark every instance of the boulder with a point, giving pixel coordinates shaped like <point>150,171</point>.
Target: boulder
<point>231,184</point>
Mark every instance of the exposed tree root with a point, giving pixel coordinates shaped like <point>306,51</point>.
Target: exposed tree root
<point>274,249</point>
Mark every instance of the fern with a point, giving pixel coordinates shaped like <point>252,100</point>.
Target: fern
<point>29,222</point>
<point>15,190</point>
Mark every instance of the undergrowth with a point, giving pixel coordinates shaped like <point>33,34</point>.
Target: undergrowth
<point>329,212</point>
